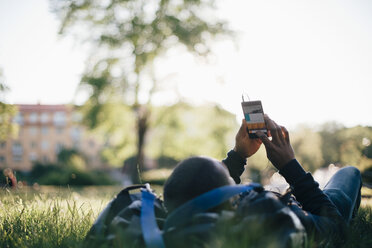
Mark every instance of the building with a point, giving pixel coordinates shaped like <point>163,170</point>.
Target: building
<point>43,131</point>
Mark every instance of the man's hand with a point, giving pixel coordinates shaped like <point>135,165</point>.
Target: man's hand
<point>279,150</point>
<point>245,146</point>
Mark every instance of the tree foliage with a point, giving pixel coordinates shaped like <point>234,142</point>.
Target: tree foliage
<point>307,144</point>
<point>183,130</point>
<point>127,37</point>
<point>346,146</point>
<point>7,112</point>
<point>316,147</point>
<point>180,130</point>
<point>331,141</point>
<point>69,169</point>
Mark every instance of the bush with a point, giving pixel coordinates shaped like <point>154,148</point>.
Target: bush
<point>53,178</point>
<point>70,169</point>
<point>166,162</point>
<point>77,178</point>
<point>66,174</point>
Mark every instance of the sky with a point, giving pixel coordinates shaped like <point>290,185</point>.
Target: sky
<point>307,61</point>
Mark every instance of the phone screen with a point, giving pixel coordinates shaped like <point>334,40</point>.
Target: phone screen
<point>254,116</point>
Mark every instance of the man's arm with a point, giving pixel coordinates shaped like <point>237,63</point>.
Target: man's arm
<point>325,216</point>
<point>244,148</point>
<point>281,154</point>
<point>305,188</point>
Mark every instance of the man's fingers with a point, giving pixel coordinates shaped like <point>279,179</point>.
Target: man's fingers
<point>243,128</point>
<point>244,124</point>
<point>280,132</point>
<point>273,129</point>
<point>286,134</point>
<point>264,138</point>
<point>266,118</point>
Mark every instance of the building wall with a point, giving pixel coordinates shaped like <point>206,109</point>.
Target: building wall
<point>43,131</point>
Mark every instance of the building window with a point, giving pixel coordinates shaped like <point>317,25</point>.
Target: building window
<point>33,117</point>
<point>18,118</point>
<point>17,149</point>
<point>44,130</point>
<point>77,117</point>
<point>59,118</point>
<point>33,145</point>
<point>32,131</point>
<point>17,158</point>
<point>21,132</point>
<point>33,156</point>
<point>59,147</point>
<point>2,159</point>
<point>44,145</point>
<point>60,130</point>
<point>45,159</point>
<point>44,117</point>
<point>2,145</point>
<point>75,133</point>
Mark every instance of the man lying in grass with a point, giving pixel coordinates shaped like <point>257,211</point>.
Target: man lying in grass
<point>323,213</point>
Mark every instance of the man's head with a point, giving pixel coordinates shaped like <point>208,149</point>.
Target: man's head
<point>193,177</point>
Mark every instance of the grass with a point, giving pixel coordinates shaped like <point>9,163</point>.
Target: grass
<point>360,231</point>
<point>50,217</point>
<point>61,217</point>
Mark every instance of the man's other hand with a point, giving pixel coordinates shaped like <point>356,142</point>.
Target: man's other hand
<point>244,145</point>
<point>279,150</point>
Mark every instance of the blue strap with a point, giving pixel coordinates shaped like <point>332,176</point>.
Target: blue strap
<point>150,230</point>
<point>204,202</point>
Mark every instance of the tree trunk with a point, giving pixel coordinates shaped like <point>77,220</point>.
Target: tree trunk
<point>142,127</point>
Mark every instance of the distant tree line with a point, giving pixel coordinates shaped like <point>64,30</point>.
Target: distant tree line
<point>176,132</point>
<point>70,168</point>
<point>330,143</point>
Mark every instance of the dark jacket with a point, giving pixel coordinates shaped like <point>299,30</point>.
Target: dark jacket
<point>316,211</point>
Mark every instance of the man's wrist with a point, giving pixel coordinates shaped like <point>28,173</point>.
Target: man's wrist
<point>237,156</point>
<point>239,153</point>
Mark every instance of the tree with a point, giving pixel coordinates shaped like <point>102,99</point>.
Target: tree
<point>306,143</point>
<point>183,130</point>
<point>128,36</point>
<point>7,111</point>
<point>346,146</point>
<point>331,142</point>
<point>354,143</point>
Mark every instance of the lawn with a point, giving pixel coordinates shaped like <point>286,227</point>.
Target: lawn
<point>50,216</point>
<point>60,217</point>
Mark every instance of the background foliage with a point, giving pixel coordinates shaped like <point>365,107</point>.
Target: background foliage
<point>70,169</point>
<point>127,38</point>
<point>7,111</point>
<point>318,147</point>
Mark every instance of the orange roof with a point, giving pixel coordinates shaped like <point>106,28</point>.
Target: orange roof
<point>41,107</point>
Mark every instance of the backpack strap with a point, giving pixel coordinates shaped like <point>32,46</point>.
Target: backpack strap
<point>151,233</point>
<point>204,202</point>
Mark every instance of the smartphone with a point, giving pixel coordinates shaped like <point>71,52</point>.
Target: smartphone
<point>254,116</point>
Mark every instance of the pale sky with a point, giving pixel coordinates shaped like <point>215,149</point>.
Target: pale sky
<point>308,61</point>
